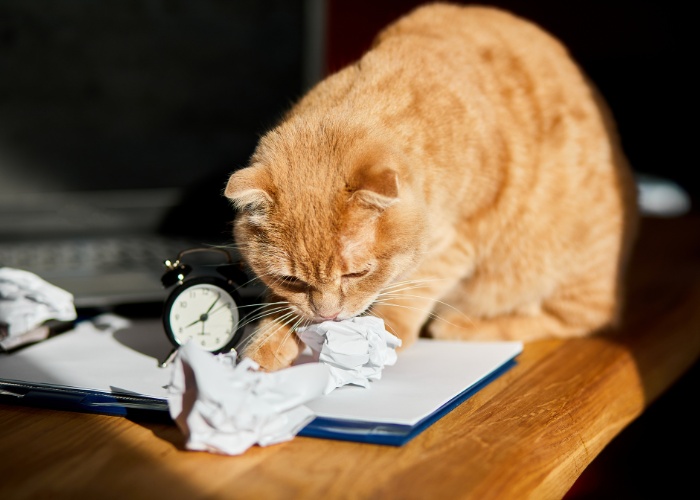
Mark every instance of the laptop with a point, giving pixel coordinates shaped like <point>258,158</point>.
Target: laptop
<point>120,124</point>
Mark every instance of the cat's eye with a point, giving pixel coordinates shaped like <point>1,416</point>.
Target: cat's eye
<point>293,282</point>
<point>358,274</point>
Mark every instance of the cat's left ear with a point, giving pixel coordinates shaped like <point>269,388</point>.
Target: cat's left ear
<point>376,187</point>
<point>246,188</point>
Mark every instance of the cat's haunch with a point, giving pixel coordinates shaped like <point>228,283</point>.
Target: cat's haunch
<point>463,180</point>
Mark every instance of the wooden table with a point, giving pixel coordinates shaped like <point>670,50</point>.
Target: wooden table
<point>530,433</point>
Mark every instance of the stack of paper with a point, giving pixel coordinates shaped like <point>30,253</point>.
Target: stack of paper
<point>117,372</point>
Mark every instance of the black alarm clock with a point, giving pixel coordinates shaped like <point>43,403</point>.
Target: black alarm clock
<point>204,306</point>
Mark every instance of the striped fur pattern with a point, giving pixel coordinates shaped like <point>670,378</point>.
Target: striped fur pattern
<point>462,180</point>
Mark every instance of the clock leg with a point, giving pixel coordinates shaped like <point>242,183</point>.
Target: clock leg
<point>169,358</point>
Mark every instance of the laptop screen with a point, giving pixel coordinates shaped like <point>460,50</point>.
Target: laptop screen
<point>129,116</point>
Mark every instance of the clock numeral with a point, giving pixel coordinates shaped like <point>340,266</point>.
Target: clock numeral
<point>183,304</point>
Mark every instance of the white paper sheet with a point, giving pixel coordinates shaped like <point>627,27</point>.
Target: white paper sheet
<point>123,361</point>
<point>425,376</point>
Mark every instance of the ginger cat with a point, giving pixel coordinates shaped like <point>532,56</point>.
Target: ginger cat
<point>462,180</point>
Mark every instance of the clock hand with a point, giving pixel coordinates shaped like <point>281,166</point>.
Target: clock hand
<point>218,296</point>
<point>205,316</point>
<point>194,322</point>
<point>223,306</point>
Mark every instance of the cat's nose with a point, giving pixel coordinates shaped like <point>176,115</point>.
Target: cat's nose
<point>325,304</point>
<point>328,317</point>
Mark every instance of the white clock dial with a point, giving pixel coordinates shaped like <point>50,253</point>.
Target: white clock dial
<point>204,314</point>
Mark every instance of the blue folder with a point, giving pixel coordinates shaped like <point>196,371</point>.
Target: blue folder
<point>427,382</point>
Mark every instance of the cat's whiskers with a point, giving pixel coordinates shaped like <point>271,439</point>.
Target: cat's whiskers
<point>291,332</point>
<point>400,286</point>
<point>281,322</point>
<point>254,279</point>
<point>396,291</point>
<point>261,313</point>
<point>380,316</point>
<point>386,302</point>
<point>290,317</point>
<point>226,246</point>
<point>259,307</point>
<point>388,296</point>
<point>399,291</point>
<point>262,335</point>
<point>431,314</point>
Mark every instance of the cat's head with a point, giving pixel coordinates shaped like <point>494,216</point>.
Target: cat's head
<point>325,217</point>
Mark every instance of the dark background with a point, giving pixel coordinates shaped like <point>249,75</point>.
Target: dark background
<point>637,52</point>
<point>143,95</point>
<point>176,93</point>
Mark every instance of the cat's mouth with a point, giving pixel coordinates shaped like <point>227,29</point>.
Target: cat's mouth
<point>314,317</point>
<point>321,319</point>
<point>342,317</point>
<point>336,317</point>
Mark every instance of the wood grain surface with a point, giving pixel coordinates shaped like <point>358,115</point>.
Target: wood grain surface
<point>528,434</point>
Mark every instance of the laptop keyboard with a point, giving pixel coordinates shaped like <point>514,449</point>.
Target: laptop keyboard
<point>88,256</point>
<point>103,271</point>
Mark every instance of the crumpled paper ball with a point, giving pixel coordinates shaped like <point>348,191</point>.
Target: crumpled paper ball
<point>226,408</point>
<point>356,350</point>
<point>27,302</point>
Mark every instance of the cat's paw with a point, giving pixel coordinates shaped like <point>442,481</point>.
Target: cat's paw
<point>273,346</point>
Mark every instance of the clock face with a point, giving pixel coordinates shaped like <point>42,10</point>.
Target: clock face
<point>203,313</point>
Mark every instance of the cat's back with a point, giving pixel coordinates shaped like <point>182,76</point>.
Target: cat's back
<point>452,86</point>
<point>470,22</point>
<point>503,52</point>
<point>462,63</point>
<point>449,79</point>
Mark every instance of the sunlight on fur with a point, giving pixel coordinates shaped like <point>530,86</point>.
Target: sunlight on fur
<point>462,180</point>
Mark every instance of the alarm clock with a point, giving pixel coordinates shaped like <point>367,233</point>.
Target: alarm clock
<point>203,307</point>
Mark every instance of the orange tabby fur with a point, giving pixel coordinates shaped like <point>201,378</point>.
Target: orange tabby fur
<point>462,179</point>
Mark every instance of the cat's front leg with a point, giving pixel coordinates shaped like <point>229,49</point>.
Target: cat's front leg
<point>273,345</point>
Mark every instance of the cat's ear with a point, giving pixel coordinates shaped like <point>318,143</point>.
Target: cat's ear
<point>246,188</point>
<point>376,187</point>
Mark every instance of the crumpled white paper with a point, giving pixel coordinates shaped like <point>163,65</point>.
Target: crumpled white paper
<point>26,303</point>
<point>226,408</point>
<point>356,350</point>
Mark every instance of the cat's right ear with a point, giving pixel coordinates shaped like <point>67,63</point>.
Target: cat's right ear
<point>376,187</point>
<point>246,188</point>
